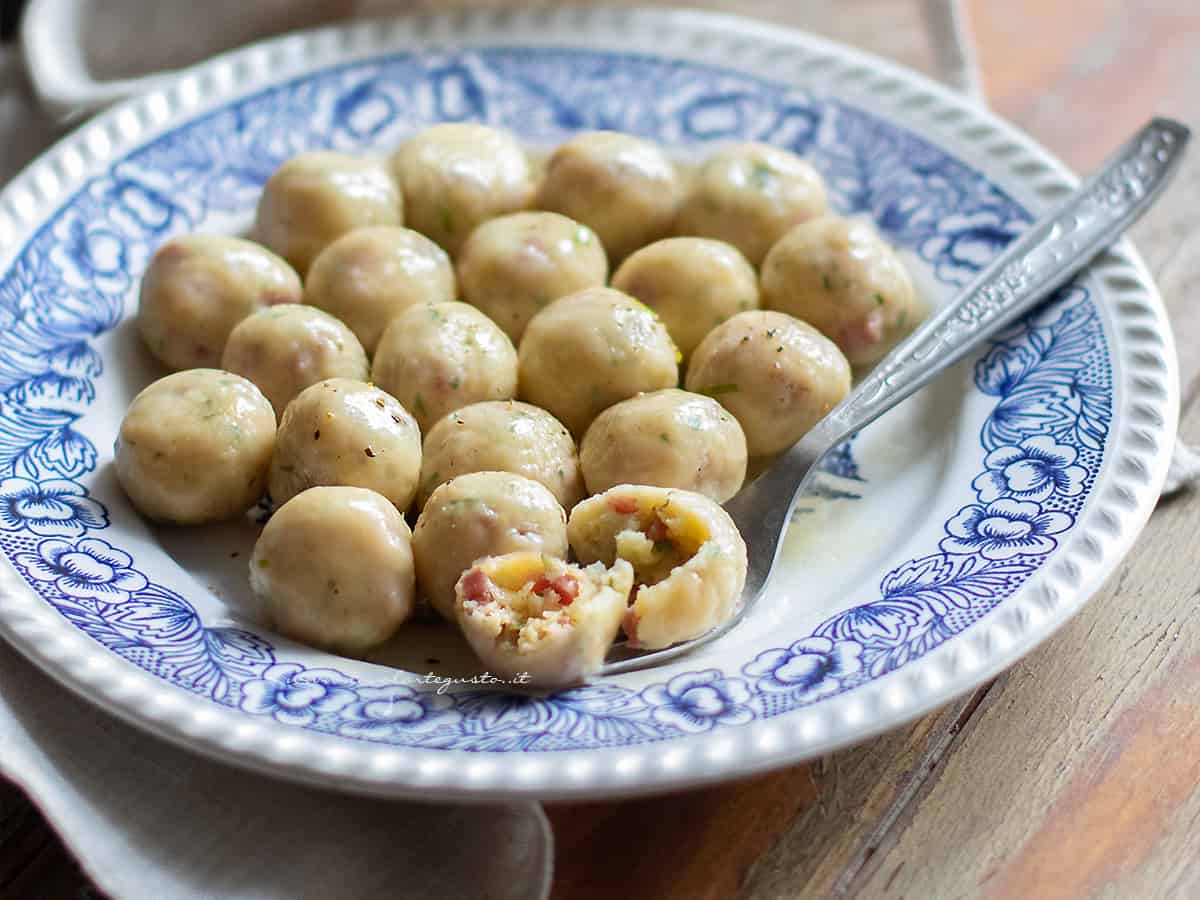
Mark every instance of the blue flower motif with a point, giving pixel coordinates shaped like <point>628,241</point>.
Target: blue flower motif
<point>1003,529</point>
<point>55,508</point>
<point>379,711</point>
<point>91,256</point>
<point>295,695</point>
<point>697,701</point>
<point>812,667</point>
<point>1032,470</point>
<point>89,570</point>
<point>963,244</point>
<point>490,712</point>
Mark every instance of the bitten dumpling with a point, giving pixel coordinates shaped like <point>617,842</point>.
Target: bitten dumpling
<point>345,432</point>
<point>666,438</point>
<point>689,561</point>
<point>315,198</point>
<point>436,358</point>
<point>482,514</point>
<point>513,266</point>
<point>502,437</point>
<point>777,375</point>
<point>458,174</point>
<point>286,348</point>
<point>693,284</point>
<point>842,278</point>
<point>527,613</point>
<point>585,352</point>
<point>749,195</point>
<point>369,276</point>
<point>622,187</point>
<point>198,287</point>
<point>194,447</point>
<point>334,568</point>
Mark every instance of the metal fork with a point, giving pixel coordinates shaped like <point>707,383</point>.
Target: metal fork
<point>1041,260</point>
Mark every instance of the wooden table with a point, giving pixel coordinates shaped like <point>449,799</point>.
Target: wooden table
<point>1073,774</point>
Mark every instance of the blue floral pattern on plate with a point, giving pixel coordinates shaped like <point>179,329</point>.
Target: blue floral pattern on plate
<point>1039,448</point>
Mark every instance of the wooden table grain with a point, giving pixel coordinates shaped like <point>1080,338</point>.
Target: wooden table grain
<point>1075,773</point>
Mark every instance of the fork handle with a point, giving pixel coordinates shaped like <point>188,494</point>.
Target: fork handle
<point>1042,259</point>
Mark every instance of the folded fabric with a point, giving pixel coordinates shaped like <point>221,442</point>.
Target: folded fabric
<point>146,819</point>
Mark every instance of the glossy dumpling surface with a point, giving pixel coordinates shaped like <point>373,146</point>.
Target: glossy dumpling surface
<point>194,447</point>
<point>334,568</point>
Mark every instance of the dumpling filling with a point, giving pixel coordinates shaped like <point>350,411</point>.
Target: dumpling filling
<point>689,561</point>
<point>526,613</point>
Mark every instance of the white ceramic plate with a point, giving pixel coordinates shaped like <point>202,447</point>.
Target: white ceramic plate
<point>952,536</point>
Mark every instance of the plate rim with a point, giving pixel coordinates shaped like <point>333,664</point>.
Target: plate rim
<point>1130,477</point>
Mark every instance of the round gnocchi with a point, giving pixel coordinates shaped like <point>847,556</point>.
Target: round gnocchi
<point>693,284</point>
<point>502,437</point>
<point>436,358</point>
<point>194,447</point>
<point>590,350</point>
<point>315,198</point>
<point>198,287</point>
<point>334,568</point>
<point>622,187</point>
<point>749,195</point>
<point>777,375</point>
<point>515,265</point>
<point>286,348</point>
<point>456,175</point>
<point>369,276</point>
<point>841,277</point>
<point>345,432</point>
<point>667,438</point>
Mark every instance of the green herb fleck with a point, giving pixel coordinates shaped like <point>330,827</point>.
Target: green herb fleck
<point>419,405</point>
<point>779,349</point>
<point>879,299</point>
<point>663,546</point>
<point>455,382</point>
<point>825,281</point>
<point>664,437</point>
<point>718,389</point>
<point>435,314</point>
<point>264,563</point>
<point>761,174</point>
